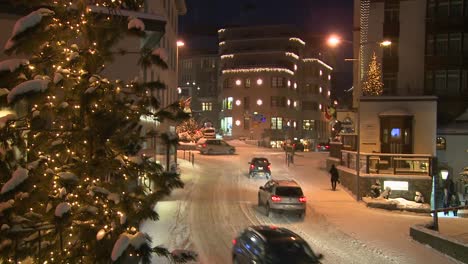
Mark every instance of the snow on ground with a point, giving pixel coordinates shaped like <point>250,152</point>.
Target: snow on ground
<point>219,201</point>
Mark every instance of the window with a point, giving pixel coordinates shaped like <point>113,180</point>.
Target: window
<point>229,102</point>
<point>278,101</point>
<point>429,83</point>
<point>227,83</point>
<point>441,144</point>
<point>440,82</point>
<point>247,83</point>
<point>456,8</point>
<point>455,43</point>
<point>430,45</point>
<point>390,83</point>
<point>465,40</point>
<point>207,106</point>
<point>246,123</point>
<point>246,103</point>
<point>276,123</point>
<point>453,82</point>
<point>441,44</point>
<point>187,64</point>
<point>277,82</point>
<point>308,124</point>
<point>443,8</point>
<point>430,8</point>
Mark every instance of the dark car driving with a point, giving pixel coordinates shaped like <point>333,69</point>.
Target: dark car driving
<point>260,167</point>
<point>271,245</point>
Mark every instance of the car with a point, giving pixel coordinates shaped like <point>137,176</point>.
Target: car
<point>282,195</point>
<point>271,245</point>
<point>323,147</point>
<point>199,144</point>
<point>295,145</point>
<point>209,132</point>
<point>216,146</point>
<point>259,167</point>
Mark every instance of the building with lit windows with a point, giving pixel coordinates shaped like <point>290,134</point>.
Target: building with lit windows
<point>198,80</point>
<point>268,90</point>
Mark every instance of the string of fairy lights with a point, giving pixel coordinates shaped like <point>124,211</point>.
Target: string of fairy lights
<point>68,76</point>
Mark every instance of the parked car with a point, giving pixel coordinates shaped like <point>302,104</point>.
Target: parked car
<point>272,245</point>
<point>323,147</point>
<point>199,144</point>
<point>216,146</point>
<point>282,195</point>
<point>259,167</point>
<point>209,132</point>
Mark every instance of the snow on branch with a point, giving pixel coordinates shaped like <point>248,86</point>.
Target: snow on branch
<point>69,176</point>
<point>18,177</point>
<point>62,208</point>
<point>135,23</point>
<point>6,205</point>
<point>28,86</point>
<point>12,64</point>
<point>126,239</point>
<point>161,53</point>
<point>26,22</point>
<point>5,119</point>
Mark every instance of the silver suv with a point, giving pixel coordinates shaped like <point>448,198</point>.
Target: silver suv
<point>215,146</point>
<point>282,195</point>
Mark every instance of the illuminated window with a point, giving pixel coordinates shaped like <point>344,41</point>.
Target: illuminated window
<point>207,106</point>
<point>276,123</point>
<point>441,143</point>
<point>308,124</point>
<point>229,102</point>
<point>247,83</point>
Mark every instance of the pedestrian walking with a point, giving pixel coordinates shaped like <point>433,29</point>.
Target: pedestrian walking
<point>455,202</point>
<point>335,177</point>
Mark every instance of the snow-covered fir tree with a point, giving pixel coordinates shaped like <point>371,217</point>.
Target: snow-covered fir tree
<point>189,130</point>
<point>71,139</point>
<point>372,84</point>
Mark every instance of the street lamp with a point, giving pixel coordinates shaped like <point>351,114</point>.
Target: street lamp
<point>334,41</point>
<point>444,174</point>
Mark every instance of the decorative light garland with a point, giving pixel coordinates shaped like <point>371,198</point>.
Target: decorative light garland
<point>319,61</point>
<point>227,56</point>
<point>222,43</point>
<point>258,70</point>
<point>290,54</point>
<point>298,40</point>
<point>221,30</point>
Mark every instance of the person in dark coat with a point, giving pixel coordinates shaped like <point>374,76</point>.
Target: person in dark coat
<point>335,177</point>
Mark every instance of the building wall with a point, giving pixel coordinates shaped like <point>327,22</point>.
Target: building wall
<point>411,44</point>
<point>423,110</point>
<point>454,157</point>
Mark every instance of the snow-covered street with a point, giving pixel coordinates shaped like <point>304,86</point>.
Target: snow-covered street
<point>219,201</point>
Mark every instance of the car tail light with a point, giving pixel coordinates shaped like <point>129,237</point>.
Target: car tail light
<point>302,199</point>
<point>252,166</point>
<point>234,241</point>
<point>204,145</point>
<point>275,198</point>
<point>269,167</point>
<point>327,146</point>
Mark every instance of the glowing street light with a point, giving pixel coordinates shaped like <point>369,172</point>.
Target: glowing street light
<point>333,40</point>
<point>180,43</point>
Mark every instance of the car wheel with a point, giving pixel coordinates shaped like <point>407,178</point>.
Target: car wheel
<point>259,201</point>
<point>234,260</point>
<point>302,214</point>
<point>251,175</point>
<point>267,209</point>
<point>231,152</point>
<point>268,176</point>
<point>208,152</point>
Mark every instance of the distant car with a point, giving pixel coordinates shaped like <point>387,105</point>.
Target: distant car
<point>271,245</point>
<point>259,167</point>
<point>215,146</point>
<point>209,132</point>
<point>199,144</point>
<point>295,145</point>
<point>282,195</point>
<point>323,147</point>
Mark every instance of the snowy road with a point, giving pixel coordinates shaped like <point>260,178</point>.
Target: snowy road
<point>219,201</point>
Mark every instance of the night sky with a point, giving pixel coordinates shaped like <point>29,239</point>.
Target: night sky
<point>315,18</point>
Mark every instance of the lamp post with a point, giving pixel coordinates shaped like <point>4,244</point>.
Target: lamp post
<point>334,41</point>
<point>179,44</point>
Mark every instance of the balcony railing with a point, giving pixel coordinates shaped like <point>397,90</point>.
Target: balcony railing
<point>388,163</point>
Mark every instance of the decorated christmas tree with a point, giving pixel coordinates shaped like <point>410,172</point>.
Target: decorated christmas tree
<point>71,140</point>
<point>372,84</point>
<point>189,130</point>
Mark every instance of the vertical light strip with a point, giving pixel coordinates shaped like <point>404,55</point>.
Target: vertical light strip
<point>364,20</point>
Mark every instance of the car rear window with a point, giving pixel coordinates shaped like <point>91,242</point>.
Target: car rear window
<point>288,251</point>
<point>261,162</point>
<point>289,191</point>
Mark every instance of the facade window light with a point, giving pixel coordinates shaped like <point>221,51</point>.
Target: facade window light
<point>289,83</point>
<point>289,102</point>
<point>295,67</point>
<point>238,82</point>
<point>238,122</point>
<point>188,83</point>
<point>320,106</point>
<point>238,102</point>
<point>198,88</point>
<point>259,81</point>
<point>295,85</point>
<point>320,89</point>
<point>329,77</point>
<point>289,123</point>
<point>193,83</point>
<point>294,124</point>
<point>320,72</point>
<point>259,102</point>
<point>295,103</point>
<point>179,91</point>
<point>328,93</point>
